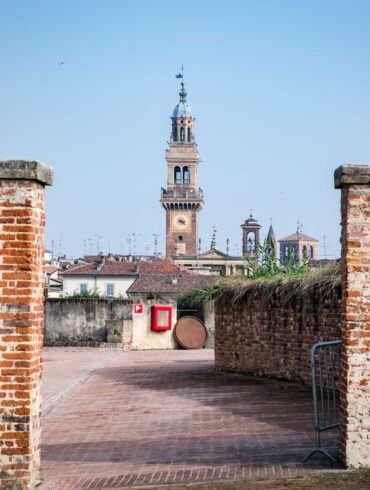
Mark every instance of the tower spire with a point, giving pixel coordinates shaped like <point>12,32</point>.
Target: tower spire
<point>213,242</point>
<point>271,240</point>
<point>182,92</point>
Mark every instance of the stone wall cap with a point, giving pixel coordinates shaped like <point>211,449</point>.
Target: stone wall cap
<point>26,170</point>
<point>351,175</point>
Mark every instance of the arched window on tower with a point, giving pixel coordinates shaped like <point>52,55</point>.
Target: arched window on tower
<point>251,242</point>
<point>177,175</point>
<point>189,135</point>
<point>311,252</point>
<point>286,251</point>
<point>304,252</point>
<point>174,132</point>
<point>185,175</point>
<point>182,134</point>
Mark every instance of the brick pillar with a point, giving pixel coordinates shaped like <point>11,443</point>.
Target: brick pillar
<point>22,221</point>
<point>354,182</point>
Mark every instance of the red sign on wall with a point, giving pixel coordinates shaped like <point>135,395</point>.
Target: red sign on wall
<point>138,309</point>
<point>161,317</point>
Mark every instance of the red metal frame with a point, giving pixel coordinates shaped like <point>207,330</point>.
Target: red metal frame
<point>154,322</point>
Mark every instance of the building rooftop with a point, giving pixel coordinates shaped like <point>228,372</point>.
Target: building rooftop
<point>109,266</point>
<point>296,237</point>
<point>182,109</point>
<point>177,283</point>
<point>251,223</point>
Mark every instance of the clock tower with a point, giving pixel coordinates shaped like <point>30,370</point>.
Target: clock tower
<point>182,199</point>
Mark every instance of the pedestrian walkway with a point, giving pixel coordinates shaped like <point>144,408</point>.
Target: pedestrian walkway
<point>123,420</point>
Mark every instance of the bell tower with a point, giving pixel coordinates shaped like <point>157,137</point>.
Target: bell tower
<point>251,237</point>
<point>182,199</point>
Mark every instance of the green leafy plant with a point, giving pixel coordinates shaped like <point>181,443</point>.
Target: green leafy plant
<point>267,276</point>
<point>200,296</point>
<point>268,264</point>
<point>87,294</point>
<point>293,266</point>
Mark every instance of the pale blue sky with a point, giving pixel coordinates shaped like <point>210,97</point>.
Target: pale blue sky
<point>280,90</point>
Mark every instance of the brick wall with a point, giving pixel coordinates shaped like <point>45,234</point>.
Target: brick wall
<point>354,180</point>
<point>22,221</point>
<point>272,337</point>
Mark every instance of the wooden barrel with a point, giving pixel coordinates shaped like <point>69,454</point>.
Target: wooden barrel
<point>190,332</point>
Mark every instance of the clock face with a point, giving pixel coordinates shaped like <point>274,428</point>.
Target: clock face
<point>181,222</point>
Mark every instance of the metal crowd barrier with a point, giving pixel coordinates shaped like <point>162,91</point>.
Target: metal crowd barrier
<point>324,361</point>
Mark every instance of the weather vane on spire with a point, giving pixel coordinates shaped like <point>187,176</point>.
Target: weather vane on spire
<point>181,75</point>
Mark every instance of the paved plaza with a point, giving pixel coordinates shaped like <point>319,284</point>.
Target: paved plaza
<point>115,419</point>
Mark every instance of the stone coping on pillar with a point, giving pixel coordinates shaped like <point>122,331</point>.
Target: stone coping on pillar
<point>26,170</point>
<point>351,175</point>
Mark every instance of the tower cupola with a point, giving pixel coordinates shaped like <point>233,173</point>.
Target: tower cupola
<point>182,120</point>
<point>182,109</point>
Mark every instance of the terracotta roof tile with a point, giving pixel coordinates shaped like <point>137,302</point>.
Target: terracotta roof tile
<point>112,267</point>
<point>169,283</point>
<point>77,270</point>
<point>49,270</point>
<point>295,237</point>
<point>157,277</point>
<point>115,268</point>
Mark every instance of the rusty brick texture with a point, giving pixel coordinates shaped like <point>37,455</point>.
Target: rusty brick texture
<point>272,337</point>
<point>22,221</point>
<point>354,181</point>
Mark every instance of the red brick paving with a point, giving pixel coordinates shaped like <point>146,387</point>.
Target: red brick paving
<point>117,419</point>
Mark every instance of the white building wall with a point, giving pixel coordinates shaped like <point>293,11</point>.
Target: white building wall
<point>71,285</point>
<point>121,285</point>
<point>143,337</point>
<point>54,294</point>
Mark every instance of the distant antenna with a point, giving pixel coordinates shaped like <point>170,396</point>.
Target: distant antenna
<point>299,227</point>
<point>227,246</point>
<point>90,245</point>
<point>98,244</point>
<point>155,235</point>
<point>199,246</point>
<point>85,246</point>
<point>134,242</point>
<point>52,249</point>
<point>129,243</point>
<point>325,246</point>
<point>60,246</point>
